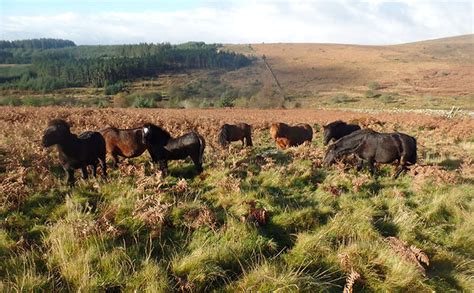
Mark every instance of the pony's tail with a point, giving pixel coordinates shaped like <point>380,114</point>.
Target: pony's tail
<point>248,140</point>
<point>222,138</point>
<point>248,137</point>
<point>414,157</point>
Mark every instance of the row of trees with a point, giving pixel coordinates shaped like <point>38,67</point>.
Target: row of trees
<point>36,44</point>
<point>135,61</point>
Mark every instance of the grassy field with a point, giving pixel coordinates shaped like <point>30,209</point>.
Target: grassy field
<point>257,219</point>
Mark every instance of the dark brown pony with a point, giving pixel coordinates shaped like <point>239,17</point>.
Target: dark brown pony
<point>163,147</point>
<point>337,129</point>
<point>230,132</point>
<point>127,143</point>
<point>75,151</point>
<point>293,135</point>
<point>372,147</point>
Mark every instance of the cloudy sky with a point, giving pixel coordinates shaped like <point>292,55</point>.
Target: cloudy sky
<point>244,21</point>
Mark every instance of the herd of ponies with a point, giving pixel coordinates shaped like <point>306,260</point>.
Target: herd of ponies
<point>91,147</point>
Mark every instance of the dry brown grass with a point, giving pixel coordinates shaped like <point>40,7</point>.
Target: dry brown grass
<point>409,253</point>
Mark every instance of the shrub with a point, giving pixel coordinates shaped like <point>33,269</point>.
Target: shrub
<point>113,89</point>
<point>225,102</point>
<point>144,102</point>
<point>386,98</point>
<point>32,101</point>
<point>371,94</point>
<point>373,85</point>
<point>241,102</point>
<point>340,99</point>
<point>206,103</point>
<point>11,101</point>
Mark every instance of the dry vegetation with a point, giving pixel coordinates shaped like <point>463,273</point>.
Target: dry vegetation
<point>257,219</point>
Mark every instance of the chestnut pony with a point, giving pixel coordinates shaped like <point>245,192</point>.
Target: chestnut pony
<point>286,135</point>
<point>127,143</point>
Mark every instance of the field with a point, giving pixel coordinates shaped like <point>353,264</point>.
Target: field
<point>257,219</point>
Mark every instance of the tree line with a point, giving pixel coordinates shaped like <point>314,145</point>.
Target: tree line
<point>101,65</point>
<point>36,44</point>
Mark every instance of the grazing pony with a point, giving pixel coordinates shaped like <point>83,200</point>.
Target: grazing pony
<point>372,146</point>
<point>337,129</point>
<point>127,143</point>
<point>293,135</point>
<point>230,132</point>
<point>163,147</point>
<point>76,152</point>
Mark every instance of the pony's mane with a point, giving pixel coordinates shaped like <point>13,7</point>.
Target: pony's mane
<point>343,147</point>
<point>335,123</point>
<point>156,129</point>
<point>58,122</point>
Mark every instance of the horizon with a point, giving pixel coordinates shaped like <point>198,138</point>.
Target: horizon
<point>256,43</point>
<point>109,22</point>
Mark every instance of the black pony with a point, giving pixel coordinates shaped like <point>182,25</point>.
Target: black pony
<point>372,147</point>
<point>231,132</point>
<point>76,151</point>
<point>163,147</point>
<point>337,129</point>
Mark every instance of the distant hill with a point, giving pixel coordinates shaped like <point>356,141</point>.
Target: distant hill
<point>435,67</point>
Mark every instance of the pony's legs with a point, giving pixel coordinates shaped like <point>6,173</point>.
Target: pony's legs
<point>103,164</point>
<point>163,168</point>
<point>248,141</point>
<point>115,161</point>
<point>70,176</point>
<point>94,169</point>
<point>401,167</point>
<point>85,174</point>
<point>371,167</point>
<point>197,163</point>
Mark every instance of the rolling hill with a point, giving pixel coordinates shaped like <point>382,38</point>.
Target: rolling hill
<point>442,67</point>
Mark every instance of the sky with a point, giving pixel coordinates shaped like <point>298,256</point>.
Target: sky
<point>371,22</point>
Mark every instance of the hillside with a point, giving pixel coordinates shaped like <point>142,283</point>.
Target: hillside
<point>443,67</point>
<point>428,74</point>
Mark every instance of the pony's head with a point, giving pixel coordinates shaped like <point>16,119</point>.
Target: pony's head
<point>55,133</point>
<point>278,130</point>
<point>327,134</point>
<point>223,137</point>
<point>283,142</point>
<point>329,130</point>
<point>154,135</point>
<point>331,155</point>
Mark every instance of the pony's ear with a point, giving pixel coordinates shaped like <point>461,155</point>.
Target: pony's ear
<point>325,126</point>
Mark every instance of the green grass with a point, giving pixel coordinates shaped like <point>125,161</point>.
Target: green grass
<point>144,233</point>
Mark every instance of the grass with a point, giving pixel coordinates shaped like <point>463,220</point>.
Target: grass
<point>138,231</point>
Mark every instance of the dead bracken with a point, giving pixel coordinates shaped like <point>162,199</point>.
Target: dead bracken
<point>410,253</point>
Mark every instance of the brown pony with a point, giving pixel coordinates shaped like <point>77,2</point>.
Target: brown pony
<point>230,132</point>
<point>286,135</point>
<point>127,143</point>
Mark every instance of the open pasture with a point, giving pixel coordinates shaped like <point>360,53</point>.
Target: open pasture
<point>256,219</point>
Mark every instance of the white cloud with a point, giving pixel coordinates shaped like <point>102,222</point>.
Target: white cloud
<point>371,22</point>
